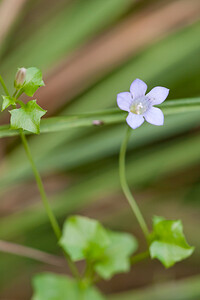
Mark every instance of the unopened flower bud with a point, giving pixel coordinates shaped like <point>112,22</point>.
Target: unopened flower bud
<point>20,78</point>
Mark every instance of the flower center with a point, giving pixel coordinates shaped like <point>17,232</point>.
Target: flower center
<point>140,105</point>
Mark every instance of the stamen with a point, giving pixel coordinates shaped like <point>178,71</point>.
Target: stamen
<point>140,105</point>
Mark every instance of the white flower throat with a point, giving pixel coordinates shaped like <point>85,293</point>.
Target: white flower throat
<point>140,105</point>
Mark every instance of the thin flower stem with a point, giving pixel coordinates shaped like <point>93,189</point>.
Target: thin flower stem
<point>52,219</point>
<point>125,187</point>
<point>15,93</point>
<point>139,257</point>
<point>88,276</point>
<point>19,93</point>
<point>38,179</point>
<point>4,86</point>
<point>47,207</point>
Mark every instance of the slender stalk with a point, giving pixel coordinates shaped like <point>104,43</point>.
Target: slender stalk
<point>19,93</point>
<point>125,187</point>
<point>15,93</point>
<point>88,276</point>
<point>47,207</point>
<point>4,86</point>
<point>52,219</point>
<point>38,179</point>
<point>139,257</point>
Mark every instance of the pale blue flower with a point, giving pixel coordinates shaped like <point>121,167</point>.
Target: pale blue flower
<point>140,106</point>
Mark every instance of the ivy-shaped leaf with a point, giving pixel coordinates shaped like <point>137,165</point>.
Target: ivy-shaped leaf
<point>84,238</point>
<point>7,101</point>
<point>116,257</point>
<point>33,81</point>
<point>27,117</point>
<point>168,243</point>
<point>108,252</point>
<point>49,286</point>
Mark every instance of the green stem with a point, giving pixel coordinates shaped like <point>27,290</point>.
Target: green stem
<point>15,93</point>
<point>125,187</point>
<point>47,207</point>
<point>49,212</point>
<point>4,86</point>
<point>139,257</point>
<point>52,219</point>
<point>18,93</point>
<point>21,103</point>
<point>88,276</point>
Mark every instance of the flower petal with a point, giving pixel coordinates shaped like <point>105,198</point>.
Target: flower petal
<point>138,88</point>
<point>134,121</point>
<point>158,95</point>
<point>124,101</point>
<point>154,116</point>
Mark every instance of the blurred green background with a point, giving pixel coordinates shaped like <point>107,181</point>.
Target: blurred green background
<point>90,50</point>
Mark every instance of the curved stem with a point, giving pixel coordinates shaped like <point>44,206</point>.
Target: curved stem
<point>139,257</point>
<point>125,187</point>
<point>38,179</point>
<point>47,207</point>
<point>21,103</point>
<point>52,219</point>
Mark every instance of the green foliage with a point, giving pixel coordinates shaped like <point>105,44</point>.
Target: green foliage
<point>107,251</point>
<point>179,70</point>
<point>55,287</point>
<point>7,101</point>
<point>27,117</point>
<point>116,257</point>
<point>33,81</point>
<point>168,243</point>
<point>84,238</point>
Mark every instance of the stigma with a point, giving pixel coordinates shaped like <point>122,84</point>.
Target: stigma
<point>140,105</point>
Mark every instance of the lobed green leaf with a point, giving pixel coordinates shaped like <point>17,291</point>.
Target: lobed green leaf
<point>7,101</point>
<point>27,117</point>
<point>168,243</point>
<point>84,238</point>
<point>116,257</point>
<point>32,82</point>
<point>107,251</point>
<point>49,286</point>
